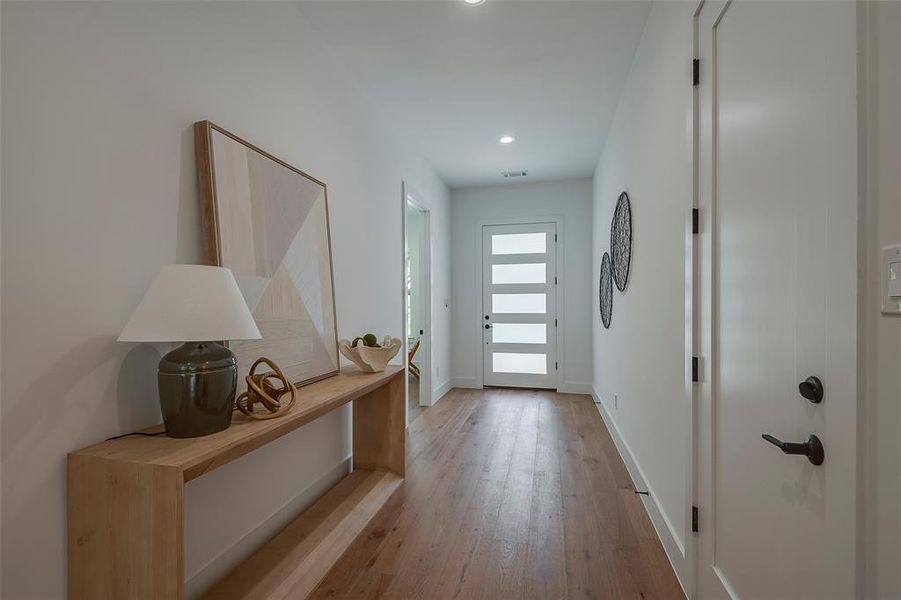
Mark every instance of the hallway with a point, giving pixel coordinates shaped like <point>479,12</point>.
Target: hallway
<point>627,276</point>
<point>482,513</point>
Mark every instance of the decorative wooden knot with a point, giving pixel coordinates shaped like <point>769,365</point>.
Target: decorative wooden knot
<point>262,390</point>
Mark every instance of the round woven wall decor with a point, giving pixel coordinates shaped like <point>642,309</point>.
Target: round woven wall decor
<point>621,241</point>
<point>605,291</point>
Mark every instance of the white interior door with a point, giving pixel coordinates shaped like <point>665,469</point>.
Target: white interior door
<point>777,189</point>
<point>519,272</point>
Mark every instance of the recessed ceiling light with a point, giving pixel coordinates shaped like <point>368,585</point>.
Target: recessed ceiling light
<point>474,2</point>
<point>506,139</point>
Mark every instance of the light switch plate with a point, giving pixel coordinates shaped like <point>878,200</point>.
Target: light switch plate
<point>894,279</point>
<point>891,280</point>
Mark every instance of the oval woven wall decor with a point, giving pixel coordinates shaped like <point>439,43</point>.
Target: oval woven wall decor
<point>621,241</point>
<point>605,291</point>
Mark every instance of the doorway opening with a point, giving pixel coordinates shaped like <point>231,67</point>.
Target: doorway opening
<point>417,305</point>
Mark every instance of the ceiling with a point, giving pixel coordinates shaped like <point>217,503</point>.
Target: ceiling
<point>450,78</point>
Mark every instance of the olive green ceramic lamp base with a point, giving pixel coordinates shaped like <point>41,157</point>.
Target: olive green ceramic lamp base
<point>197,384</point>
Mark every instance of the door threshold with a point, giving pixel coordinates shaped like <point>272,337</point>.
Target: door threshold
<point>517,387</point>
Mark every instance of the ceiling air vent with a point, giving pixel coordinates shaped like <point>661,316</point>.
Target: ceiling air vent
<point>514,174</point>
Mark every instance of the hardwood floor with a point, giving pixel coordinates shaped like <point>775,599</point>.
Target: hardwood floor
<point>509,494</point>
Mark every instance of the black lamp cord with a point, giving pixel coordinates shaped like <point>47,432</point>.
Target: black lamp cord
<point>116,437</point>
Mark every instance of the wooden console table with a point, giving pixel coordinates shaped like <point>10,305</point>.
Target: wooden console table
<point>125,499</point>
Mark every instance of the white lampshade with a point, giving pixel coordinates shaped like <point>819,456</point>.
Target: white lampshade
<point>191,303</point>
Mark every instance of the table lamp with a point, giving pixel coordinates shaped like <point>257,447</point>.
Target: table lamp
<point>198,305</point>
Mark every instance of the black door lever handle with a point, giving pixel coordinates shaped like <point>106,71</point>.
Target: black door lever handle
<point>812,448</point>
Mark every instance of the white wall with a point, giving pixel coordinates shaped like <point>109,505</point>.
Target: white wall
<point>98,191</point>
<point>470,208</point>
<point>881,441</point>
<point>641,358</point>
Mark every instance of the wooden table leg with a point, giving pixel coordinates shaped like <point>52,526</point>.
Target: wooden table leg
<point>380,428</point>
<point>125,530</point>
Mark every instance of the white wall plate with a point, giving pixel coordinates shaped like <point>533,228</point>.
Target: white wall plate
<point>891,280</point>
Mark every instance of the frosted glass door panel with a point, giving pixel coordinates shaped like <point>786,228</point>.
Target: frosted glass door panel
<point>519,304</point>
<point>519,243</point>
<point>516,362</point>
<point>519,333</point>
<point>519,273</point>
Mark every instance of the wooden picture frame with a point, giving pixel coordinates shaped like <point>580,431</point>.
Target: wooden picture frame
<point>268,222</point>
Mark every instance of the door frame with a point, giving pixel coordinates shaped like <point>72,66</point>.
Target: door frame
<point>697,338</point>
<point>560,296</point>
<point>410,196</point>
<point>869,252</point>
<point>701,315</point>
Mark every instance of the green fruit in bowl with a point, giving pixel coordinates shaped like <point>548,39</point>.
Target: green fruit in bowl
<point>368,340</point>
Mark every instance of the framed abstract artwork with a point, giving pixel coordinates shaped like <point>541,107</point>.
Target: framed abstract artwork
<point>268,222</point>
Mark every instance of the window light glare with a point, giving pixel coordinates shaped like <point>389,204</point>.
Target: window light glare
<point>506,139</point>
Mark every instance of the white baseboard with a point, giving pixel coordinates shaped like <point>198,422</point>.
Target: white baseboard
<point>465,382</point>
<point>439,392</point>
<point>576,387</point>
<point>675,550</point>
<point>203,579</point>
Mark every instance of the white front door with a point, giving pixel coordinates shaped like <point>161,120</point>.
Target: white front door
<point>519,303</point>
<point>777,191</point>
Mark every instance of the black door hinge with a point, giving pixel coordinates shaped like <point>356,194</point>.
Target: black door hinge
<point>696,220</point>
<point>556,366</point>
<point>555,322</point>
<point>555,237</point>
<point>696,71</point>
<point>694,519</point>
<point>694,369</point>
<point>555,281</point>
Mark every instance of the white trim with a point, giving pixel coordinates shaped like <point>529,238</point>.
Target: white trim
<point>439,392</point>
<point>409,197</point>
<point>577,387</point>
<point>403,297</point>
<point>692,321</point>
<point>675,551</point>
<point>470,383</point>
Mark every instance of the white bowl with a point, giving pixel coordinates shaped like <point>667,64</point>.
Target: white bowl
<point>371,360</point>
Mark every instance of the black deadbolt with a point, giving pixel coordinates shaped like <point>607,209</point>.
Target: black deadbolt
<point>812,389</point>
